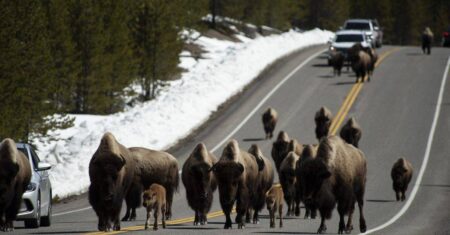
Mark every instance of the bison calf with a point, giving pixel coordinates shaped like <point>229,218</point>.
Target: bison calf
<point>401,175</point>
<point>274,201</point>
<point>269,119</point>
<point>154,198</point>
<point>288,182</point>
<point>15,175</point>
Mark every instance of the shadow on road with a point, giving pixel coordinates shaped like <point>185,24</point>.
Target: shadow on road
<point>321,65</point>
<point>379,200</point>
<point>253,139</point>
<point>344,83</point>
<point>63,232</point>
<point>414,54</point>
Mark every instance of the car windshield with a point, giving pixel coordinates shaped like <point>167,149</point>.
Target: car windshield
<point>24,151</point>
<point>357,26</point>
<point>349,38</point>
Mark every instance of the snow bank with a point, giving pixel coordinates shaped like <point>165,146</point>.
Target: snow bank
<point>178,110</point>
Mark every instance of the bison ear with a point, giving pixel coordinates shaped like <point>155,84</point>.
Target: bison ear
<point>121,163</point>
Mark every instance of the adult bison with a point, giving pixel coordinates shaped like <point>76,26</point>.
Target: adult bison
<point>337,174</point>
<point>360,62</point>
<point>236,173</point>
<point>427,39</point>
<point>351,132</point>
<point>263,183</point>
<point>280,148</point>
<point>199,182</point>
<point>308,154</point>
<point>401,175</point>
<point>288,180</point>
<point>269,119</point>
<point>111,171</point>
<point>323,119</point>
<point>152,167</point>
<point>337,61</point>
<point>373,60</point>
<point>15,175</point>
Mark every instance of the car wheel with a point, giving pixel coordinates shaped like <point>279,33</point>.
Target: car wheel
<point>47,220</point>
<point>36,222</point>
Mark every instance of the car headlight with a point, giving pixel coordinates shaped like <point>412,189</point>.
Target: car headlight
<point>31,187</point>
<point>332,48</point>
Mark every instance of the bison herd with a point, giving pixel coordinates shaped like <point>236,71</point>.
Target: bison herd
<point>362,60</point>
<point>322,176</point>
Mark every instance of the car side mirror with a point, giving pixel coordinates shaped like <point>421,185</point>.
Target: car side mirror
<point>42,166</point>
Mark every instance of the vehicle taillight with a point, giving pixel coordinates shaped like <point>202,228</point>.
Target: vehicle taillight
<point>445,34</point>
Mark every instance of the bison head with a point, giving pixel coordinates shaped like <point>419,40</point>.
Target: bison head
<point>109,172</point>
<point>202,173</point>
<point>312,175</point>
<point>149,198</point>
<point>229,177</point>
<point>323,120</point>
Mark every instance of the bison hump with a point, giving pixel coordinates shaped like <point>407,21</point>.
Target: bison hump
<point>8,150</point>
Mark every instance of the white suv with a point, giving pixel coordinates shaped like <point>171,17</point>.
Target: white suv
<point>369,27</point>
<point>345,39</point>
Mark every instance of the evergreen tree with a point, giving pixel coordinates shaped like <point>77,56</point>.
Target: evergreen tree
<point>26,71</point>
<point>157,44</point>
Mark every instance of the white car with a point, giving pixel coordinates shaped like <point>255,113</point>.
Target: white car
<point>369,27</point>
<point>345,39</point>
<point>36,207</point>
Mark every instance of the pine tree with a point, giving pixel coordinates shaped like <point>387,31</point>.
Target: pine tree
<point>156,43</point>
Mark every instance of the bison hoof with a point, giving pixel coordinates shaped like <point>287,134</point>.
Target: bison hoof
<point>227,226</point>
<point>196,223</point>
<point>362,226</point>
<point>256,221</point>
<point>155,228</point>
<point>116,228</point>
<point>241,226</point>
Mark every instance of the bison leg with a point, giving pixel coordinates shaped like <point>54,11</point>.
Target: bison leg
<point>203,219</point>
<point>297,206</point>
<point>349,226</point>
<point>403,195</point>
<point>227,218</point>
<point>362,220</point>
<point>272,217</point>
<point>280,214</point>
<point>397,195</point>
<point>169,196</point>
<point>247,216</point>
<point>147,220</point>
<point>323,226</point>
<point>155,215</point>
<point>163,212</point>
<point>196,218</point>
<point>255,217</point>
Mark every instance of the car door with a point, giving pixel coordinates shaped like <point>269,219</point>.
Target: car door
<point>45,181</point>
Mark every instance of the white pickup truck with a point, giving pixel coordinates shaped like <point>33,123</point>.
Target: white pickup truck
<point>369,27</point>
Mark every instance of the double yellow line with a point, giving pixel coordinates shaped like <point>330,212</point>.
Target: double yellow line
<point>351,97</point>
<point>336,123</point>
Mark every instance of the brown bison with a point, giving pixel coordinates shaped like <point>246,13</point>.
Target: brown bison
<point>351,132</point>
<point>427,39</point>
<point>274,201</point>
<point>280,148</point>
<point>401,175</point>
<point>360,62</point>
<point>152,167</point>
<point>269,119</point>
<point>337,174</point>
<point>154,198</point>
<point>323,119</point>
<point>295,147</point>
<point>111,171</point>
<point>337,61</point>
<point>288,181</point>
<point>308,154</point>
<point>15,175</point>
<point>236,173</point>
<point>264,182</point>
<point>199,182</point>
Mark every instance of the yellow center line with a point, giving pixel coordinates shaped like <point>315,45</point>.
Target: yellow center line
<point>337,121</point>
<point>351,97</point>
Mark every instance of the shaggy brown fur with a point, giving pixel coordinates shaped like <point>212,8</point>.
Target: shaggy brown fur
<point>373,60</point>
<point>323,119</point>
<point>338,173</point>
<point>15,175</point>
<point>295,147</point>
<point>401,175</point>
<point>111,171</point>
<point>360,61</point>
<point>274,201</point>
<point>351,132</point>
<point>269,119</point>
<point>264,182</point>
<point>337,61</point>
<point>309,153</point>
<point>236,173</point>
<point>154,198</point>
<point>280,148</point>
<point>152,167</point>
<point>199,182</point>
<point>288,180</point>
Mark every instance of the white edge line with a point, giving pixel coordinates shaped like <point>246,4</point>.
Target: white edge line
<point>70,212</point>
<point>243,121</point>
<point>425,159</point>
<point>287,77</point>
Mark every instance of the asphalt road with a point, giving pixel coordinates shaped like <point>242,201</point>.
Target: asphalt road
<point>396,111</point>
